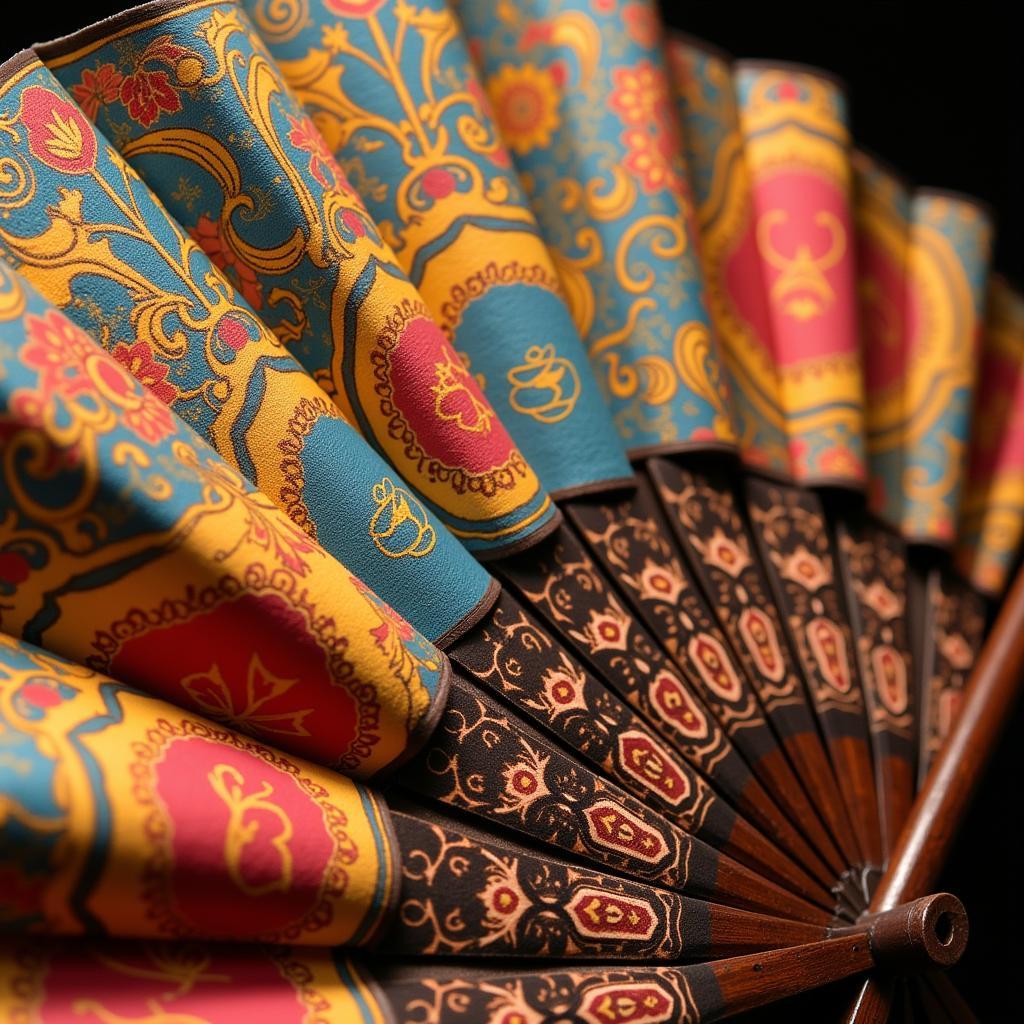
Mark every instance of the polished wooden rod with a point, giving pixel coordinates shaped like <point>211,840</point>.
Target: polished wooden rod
<point>939,811</point>
<point>942,803</point>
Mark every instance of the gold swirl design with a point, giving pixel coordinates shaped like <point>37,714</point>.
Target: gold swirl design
<point>396,510</point>
<point>544,371</point>
<point>229,784</point>
<point>696,362</point>
<point>12,295</point>
<point>577,32</point>
<point>602,200</point>
<point>666,241</point>
<point>279,21</point>
<point>576,286</point>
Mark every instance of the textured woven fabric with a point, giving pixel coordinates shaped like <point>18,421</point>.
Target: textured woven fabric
<point>131,547</point>
<point>243,168</point>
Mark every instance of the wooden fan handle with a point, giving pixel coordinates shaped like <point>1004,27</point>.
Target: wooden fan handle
<point>927,934</point>
<point>926,838</point>
<point>940,807</point>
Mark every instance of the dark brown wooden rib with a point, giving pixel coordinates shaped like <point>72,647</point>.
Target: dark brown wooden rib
<point>703,514</point>
<point>520,659</point>
<point>561,582</point>
<point>792,535</point>
<point>953,629</point>
<point>702,992</point>
<point>940,807</point>
<point>484,761</point>
<point>464,893</point>
<point>631,540</point>
<point>873,564</point>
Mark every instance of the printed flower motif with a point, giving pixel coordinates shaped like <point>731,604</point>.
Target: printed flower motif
<point>660,583</point>
<point>354,8</point>
<point>881,600</point>
<point>563,689</point>
<point>722,552</point>
<point>957,651</point>
<point>607,630</point>
<point>652,157</point>
<point>524,782</point>
<point>207,235</point>
<point>141,411</point>
<point>305,136</point>
<point>525,102</point>
<point>58,133</point>
<point>641,24</point>
<point>504,901</point>
<point>803,567</point>
<point>59,351</point>
<point>840,461</point>
<point>138,360</point>
<point>97,88</point>
<point>640,96</point>
<point>147,94</point>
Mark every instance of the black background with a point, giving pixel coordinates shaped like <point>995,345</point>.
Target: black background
<point>938,90</point>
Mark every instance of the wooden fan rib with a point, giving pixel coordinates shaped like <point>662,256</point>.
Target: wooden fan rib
<point>519,660</point>
<point>700,993</point>
<point>568,590</point>
<point>463,895</point>
<point>699,505</point>
<point>630,538</point>
<point>873,563</point>
<point>790,528</point>
<point>485,762</point>
<point>940,806</point>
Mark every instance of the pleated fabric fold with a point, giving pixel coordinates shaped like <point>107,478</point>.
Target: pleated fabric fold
<point>237,161</point>
<point>394,92</point>
<point>991,524</point>
<point>129,546</point>
<point>95,241</point>
<point>581,94</point>
<point>129,816</point>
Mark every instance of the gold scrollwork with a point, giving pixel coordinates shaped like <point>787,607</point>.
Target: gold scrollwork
<point>400,526</point>
<point>228,783</point>
<point>545,386</point>
<point>802,288</point>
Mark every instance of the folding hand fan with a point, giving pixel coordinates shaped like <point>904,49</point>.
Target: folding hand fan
<point>395,574</point>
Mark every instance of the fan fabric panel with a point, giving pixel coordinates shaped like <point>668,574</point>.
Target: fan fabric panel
<point>500,514</point>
